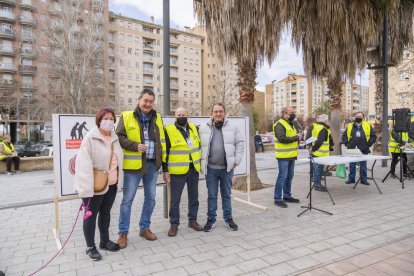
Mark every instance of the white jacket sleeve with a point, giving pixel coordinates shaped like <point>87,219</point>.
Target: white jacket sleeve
<point>84,170</point>
<point>239,146</point>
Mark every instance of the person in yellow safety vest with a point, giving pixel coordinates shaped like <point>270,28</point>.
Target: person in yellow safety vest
<point>9,155</point>
<point>411,131</point>
<point>286,152</point>
<point>182,166</point>
<point>142,138</point>
<point>321,147</point>
<point>359,134</point>
<point>397,140</point>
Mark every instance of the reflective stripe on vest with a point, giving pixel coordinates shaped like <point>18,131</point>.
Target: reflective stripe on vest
<point>366,128</point>
<point>286,150</point>
<point>6,149</point>
<point>179,155</point>
<point>133,159</point>
<point>324,148</point>
<point>393,145</point>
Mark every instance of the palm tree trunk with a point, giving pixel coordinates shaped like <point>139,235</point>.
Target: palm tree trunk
<point>335,95</point>
<point>378,74</point>
<point>247,83</point>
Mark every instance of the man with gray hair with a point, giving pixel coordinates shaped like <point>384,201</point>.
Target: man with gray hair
<point>321,147</point>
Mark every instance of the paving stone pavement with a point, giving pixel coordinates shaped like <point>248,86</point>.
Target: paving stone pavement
<point>368,233</point>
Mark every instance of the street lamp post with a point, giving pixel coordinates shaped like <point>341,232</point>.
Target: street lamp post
<point>27,96</point>
<point>166,56</point>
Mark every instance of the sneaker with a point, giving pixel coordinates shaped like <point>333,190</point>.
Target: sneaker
<point>17,172</point>
<point>123,240</point>
<point>281,204</point>
<point>230,224</point>
<point>320,189</point>
<point>93,253</point>
<point>350,182</point>
<point>146,233</point>
<point>109,246</point>
<point>10,173</point>
<point>365,182</point>
<point>173,231</point>
<point>291,200</point>
<point>194,225</point>
<point>209,226</point>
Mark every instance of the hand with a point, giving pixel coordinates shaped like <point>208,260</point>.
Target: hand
<point>142,148</point>
<point>167,177</point>
<point>300,136</point>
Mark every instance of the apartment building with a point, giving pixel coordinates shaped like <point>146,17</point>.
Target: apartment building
<point>219,78</point>
<point>135,58</point>
<point>305,94</point>
<point>400,85</point>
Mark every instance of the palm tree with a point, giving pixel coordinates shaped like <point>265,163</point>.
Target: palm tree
<point>323,108</point>
<point>334,36</point>
<point>250,31</point>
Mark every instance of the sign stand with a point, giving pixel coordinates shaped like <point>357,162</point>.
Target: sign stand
<point>248,201</point>
<point>56,230</point>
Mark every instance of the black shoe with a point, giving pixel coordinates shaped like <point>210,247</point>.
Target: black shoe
<point>291,200</point>
<point>231,225</point>
<point>320,189</point>
<point>209,226</point>
<point>281,204</point>
<point>327,173</point>
<point>109,246</point>
<point>350,182</point>
<point>93,253</point>
<point>365,182</point>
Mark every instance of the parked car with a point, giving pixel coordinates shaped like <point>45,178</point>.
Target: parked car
<point>22,145</point>
<point>267,138</point>
<point>32,151</point>
<point>47,143</point>
<point>47,151</point>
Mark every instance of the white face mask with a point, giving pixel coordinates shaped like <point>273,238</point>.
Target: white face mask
<point>107,125</point>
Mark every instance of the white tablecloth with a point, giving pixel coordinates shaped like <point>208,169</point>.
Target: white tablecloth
<point>339,159</point>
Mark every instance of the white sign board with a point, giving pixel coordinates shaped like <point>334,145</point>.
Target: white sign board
<point>69,130</point>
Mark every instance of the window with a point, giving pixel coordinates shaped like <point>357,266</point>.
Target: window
<point>121,75</point>
<point>136,64</point>
<point>136,76</point>
<point>129,63</point>
<point>130,51</point>
<point>129,38</point>
<point>129,76</point>
<point>121,49</point>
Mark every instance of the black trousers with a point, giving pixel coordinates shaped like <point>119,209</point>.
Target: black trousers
<point>177,186</point>
<point>99,204</point>
<point>10,160</point>
<point>395,157</point>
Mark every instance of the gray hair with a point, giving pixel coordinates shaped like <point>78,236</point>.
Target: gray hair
<point>284,110</point>
<point>322,118</point>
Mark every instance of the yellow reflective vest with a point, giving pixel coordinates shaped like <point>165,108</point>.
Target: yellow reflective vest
<point>324,148</point>
<point>179,155</point>
<point>6,149</point>
<point>133,159</point>
<point>366,128</point>
<point>394,146</point>
<point>282,150</point>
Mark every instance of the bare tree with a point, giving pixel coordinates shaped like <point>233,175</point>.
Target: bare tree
<point>75,57</point>
<point>225,89</point>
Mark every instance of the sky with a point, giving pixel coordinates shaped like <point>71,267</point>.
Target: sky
<point>181,14</point>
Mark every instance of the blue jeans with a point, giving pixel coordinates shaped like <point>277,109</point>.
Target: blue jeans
<point>317,173</point>
<point>284,179</point>
<point>131,183</point>
<point>362,171</point>
<point>213,177</point>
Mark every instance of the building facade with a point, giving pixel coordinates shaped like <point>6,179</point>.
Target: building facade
<point>135,58</point>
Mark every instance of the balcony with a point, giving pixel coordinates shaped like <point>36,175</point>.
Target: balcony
<point>112,66</point>
<point>27,69</point>
<point>55,9</point>
<point>173,52</point>
<point>27,20</point>
<point>28,36</point>
<point>7,33</point>
<point>27,87</point>
<point>149,71</point>
<point>148,47</point>
<point>148,59</point>
<point>6,50</point>
<point>174,85</point>
<point>7,84</point>
<point>55,71</point>
<point>29,53</point>
<point>111,79</point>
<point>174,63</point>
<point>7,68</point>
<point>10,2</point>
<point>7,16</point>
<point>27,4</point>
<point>173,74</point>
<point>147,82</point>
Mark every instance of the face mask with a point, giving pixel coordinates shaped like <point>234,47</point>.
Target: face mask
<point>358,120</point>
<point>219,124</point>
<point>292,117</point>
<point>182,121</point>
<point>107,125</point>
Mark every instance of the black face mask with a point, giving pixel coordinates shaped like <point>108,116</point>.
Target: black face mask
<point>182,121</point>
<point>219,124</point>
<point>358,120</point>
<point>292,117</point>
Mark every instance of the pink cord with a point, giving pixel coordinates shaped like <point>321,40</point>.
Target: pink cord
<point>57,253</point>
